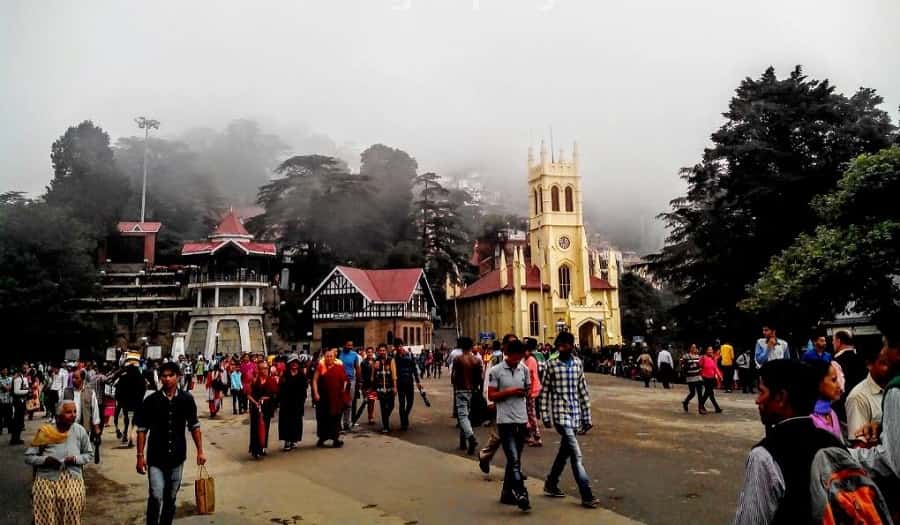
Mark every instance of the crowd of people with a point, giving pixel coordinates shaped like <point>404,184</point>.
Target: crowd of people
<point>525,388</point>
<point>828,412</point>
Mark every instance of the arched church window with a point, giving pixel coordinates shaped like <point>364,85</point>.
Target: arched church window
<point>541,193</point>
<point>536,205</point>
<point>533,320</point>
<point>570,201</point>
<point>554,198</point>
<point>565,286</point>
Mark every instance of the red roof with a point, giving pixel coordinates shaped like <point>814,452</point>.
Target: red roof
<point>600,284</point>
<point>230,225</point>
<point>384,286</point>
<point>210,247</point>
<point>139,227</point>
<point>490,282</point>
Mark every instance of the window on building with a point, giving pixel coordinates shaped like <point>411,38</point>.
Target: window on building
<point>197,342</point>
<point>228,297</point>
<point>533,320</point>
<point>229,338</point>
<point>406,335</point>
<point>570,199</point>
<point>389,337</point>
<point>554,198</point>
<point>565,286</point>
<point>541,193</point>
<point>208,299</point>
<point>418,335</point>
<point>256,337</point>
<point>536,205</point>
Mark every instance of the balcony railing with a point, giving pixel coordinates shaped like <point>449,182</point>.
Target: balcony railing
<point>239,276</point>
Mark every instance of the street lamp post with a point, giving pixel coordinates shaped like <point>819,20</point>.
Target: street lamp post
<point>268,343</point>
<point>146,125</point>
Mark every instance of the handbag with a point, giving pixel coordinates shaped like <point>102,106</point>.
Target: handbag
<point>205,492</point>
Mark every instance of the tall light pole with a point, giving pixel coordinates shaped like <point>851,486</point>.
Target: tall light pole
<point>146,125</point>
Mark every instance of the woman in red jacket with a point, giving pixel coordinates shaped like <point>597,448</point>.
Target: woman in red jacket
<point>709,371</point>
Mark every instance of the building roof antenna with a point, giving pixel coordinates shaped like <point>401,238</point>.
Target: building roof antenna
<point>552,149</point>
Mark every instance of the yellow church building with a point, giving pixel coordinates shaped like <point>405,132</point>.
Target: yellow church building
<point>553,281</point>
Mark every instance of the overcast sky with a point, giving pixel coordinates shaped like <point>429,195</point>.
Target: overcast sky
<point>459,84</point>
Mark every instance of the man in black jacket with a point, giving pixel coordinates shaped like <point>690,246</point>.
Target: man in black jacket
<point>777,479</point>
<point>407,381</point>
<point>853,366</point>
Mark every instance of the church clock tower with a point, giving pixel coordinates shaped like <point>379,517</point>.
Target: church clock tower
<point>556,229</point>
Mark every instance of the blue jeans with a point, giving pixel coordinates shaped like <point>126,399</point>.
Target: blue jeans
<point>463,402</point>
<point>164,485</point>
<point>571,452</point>
<point>512,439</point>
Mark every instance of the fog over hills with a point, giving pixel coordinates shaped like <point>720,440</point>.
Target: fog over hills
<point>464,86</point>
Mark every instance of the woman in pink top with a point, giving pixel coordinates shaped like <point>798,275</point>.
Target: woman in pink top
<point>534,424</point>
<point>710,373</point>
<point>830,390</point>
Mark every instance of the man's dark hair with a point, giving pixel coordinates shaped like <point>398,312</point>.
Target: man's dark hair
<point>770,326</point>
<point>515,347</point>
<point>171,366</point>
<point>464,343</point>
<point>844,337</point>
<point>531,343</point>
<point>565,338</point>
<point>495,345</point>
<point>794,378</point>
<point>509,337</point>
<point>383,345</point>
<point>819,332</point>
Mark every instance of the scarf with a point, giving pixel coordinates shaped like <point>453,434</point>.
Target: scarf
<point>822,408</point>
<point>48,434</point>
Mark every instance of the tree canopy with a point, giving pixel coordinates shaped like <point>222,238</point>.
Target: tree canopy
<point>785,140</point>
<point>86,180</point>
<point>851,259</point>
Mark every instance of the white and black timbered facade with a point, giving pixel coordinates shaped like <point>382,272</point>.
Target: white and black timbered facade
<point>372,307</point>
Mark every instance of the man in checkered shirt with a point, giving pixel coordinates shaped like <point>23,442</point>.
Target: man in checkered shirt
<point>565,405</point>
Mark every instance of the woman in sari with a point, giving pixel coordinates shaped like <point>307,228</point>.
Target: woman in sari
<point>291,397</point>
<point>261,392</point>
<point>57,453</point>
<point>330,394</point>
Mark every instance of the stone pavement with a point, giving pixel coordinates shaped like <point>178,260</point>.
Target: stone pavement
<point>373,479</point>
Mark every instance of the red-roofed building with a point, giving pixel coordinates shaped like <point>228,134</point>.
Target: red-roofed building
<point>229,281</point>
<point>549,279</point>
<point>370,307</point>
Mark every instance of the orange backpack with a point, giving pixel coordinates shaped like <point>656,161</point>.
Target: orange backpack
<point>842,493</point>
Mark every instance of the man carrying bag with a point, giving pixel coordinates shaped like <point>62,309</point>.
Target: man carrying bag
<point>161,424</point>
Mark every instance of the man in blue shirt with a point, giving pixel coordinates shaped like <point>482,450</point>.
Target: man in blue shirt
<point>817,352</point>
<point>770,347</point>
<point>352,362</point>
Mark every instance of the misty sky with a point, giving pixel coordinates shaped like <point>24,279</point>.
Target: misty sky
<point>462,85</point>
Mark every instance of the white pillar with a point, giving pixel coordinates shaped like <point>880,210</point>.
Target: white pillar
<point>217,297</point>
<point>257,298</point>
<point>240,296</point>
<point>199,297</point>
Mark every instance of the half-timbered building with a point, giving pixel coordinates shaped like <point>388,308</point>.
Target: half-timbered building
<point>370,307</point>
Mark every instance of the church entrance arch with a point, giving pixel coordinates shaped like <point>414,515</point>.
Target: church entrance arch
<point>590,334</point>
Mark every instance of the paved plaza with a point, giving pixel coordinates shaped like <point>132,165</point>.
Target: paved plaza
<point>650,463</point>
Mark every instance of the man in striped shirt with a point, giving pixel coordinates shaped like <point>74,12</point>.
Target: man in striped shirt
<point>777,478</point>
<point>565,405</point>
